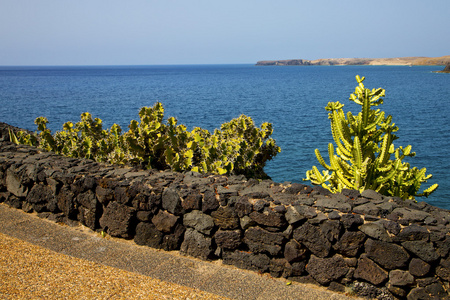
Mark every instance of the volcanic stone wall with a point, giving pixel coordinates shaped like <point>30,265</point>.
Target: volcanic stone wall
<point>381,247</point>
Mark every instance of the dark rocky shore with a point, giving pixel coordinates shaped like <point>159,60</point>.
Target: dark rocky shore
<point>380,247</point>
<point>446,69</point>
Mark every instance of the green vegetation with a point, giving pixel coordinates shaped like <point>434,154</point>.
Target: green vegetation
<point>364,149</point>
<point>239,147</point>
<point>363,159</point>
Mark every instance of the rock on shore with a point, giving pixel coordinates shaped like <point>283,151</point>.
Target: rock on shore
<point>446,69</point>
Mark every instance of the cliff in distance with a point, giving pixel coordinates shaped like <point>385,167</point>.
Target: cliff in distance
<point>398,61</point>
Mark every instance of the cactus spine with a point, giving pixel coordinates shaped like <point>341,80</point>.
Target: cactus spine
<point>364,146</point>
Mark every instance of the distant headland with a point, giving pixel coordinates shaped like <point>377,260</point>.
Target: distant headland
<point>398,61</point>
<point>446,69</point>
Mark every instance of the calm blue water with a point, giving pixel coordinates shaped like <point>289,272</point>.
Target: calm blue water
<point>291,98</point>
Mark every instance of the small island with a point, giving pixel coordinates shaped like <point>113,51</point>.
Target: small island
<point>398,61</point>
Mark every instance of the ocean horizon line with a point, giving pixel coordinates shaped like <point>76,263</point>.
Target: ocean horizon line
<point>126,65</point>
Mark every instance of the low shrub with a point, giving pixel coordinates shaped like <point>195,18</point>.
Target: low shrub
<point>238,147</point>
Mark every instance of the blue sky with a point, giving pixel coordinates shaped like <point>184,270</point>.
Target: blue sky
<point>147,32</point>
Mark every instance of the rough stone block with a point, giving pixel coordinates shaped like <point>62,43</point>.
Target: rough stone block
<point>148,235</point>
<point>104,195</point>
<point>306,211</point>
<point>313,238</point>
<point>424,250</point>
<point>260,204</point>
<point>42,198</point>
<point>370,271</point>
<point>118,220</point>
<point>332,229</point>
<point>371,194</point>
<point>14,185</point>
<point>351,221</point>
<point>413,232</point>
<point>443,270</point>
<point>66,202</point>
<point>210,202</point>
<point>295,188</point>
<point>418,267</point>
<point>269,218</point>
<point>246,222</point>
<point>419,294</point>
<point>228,239</point>
<point>400,278</point>
<point>350,243</point>
<point>225,218</point>
<point>144,216</point>
<point>171,201</point>
<point>164,221</point>
<point>246,260</point>
<point>279,267</point>
<point>196,244</point>
<point>243,207</point>
<point>294,251</point>
<point>262,241</point>
<point>367,209</point>
<point>173,241</point>
<point>391,226</point>
<point>193,201</point>
<point>411,215</point>
<point>88,200</point>
<point>388,255</point>
<point>199,221</point>
<point>334,203</point>
<point>325,270</point>
<point>352,194</point>
<point>443,246</point>
<point>376,231</point>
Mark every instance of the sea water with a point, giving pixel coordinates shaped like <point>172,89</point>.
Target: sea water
<point>291,98</point>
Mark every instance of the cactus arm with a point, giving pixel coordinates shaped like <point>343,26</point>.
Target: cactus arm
<point>377,121</point>
<point>345,167</point>
<point>420,175</point>
<point>334,160</point>
<point>321,160</point>
<point>383,179</point>
<point>357,153</point>
<point>365,110</point>
<point>344,180</point>
<point>407,151</point>
<point>338,137</point>
<point>12,137</point>
<point>429,190</point>
<point>384,155</point>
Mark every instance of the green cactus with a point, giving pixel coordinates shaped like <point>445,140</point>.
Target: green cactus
<point>364,146</point>
<point>237,148</point>
<point>12,137</point>
<point>145,139</point>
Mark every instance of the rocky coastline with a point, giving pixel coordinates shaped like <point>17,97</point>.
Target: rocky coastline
<point>398,61</point>
<point>378,247</point>
<point>446,69</point>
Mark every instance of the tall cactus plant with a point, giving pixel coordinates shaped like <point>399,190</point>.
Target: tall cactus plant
<point>364,150</point>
